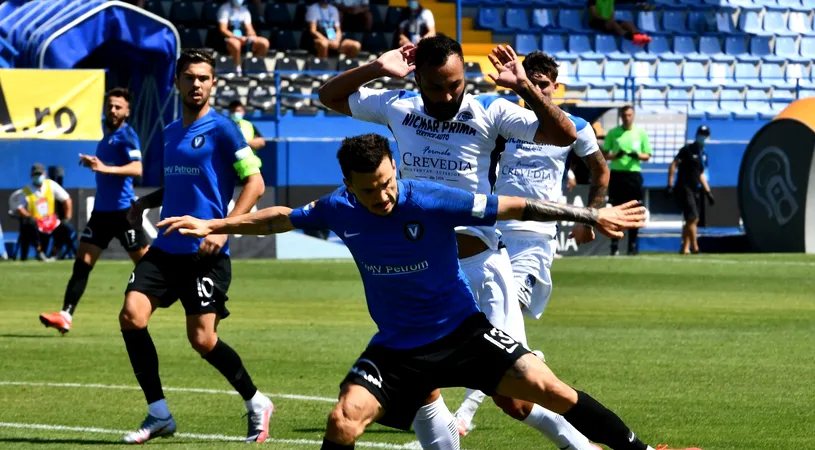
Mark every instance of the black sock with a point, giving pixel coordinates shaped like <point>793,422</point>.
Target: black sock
<point>227,361</point>
<point>328,445</point>
<point>615,244</point>
<point>76,286</point>
<point>601,425</point>
<point>632,239</point>
<point>144,359</point>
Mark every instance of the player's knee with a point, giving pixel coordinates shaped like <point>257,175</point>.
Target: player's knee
<point>132,319</point>
<point>343,427</point>
<point>202,342</point>
<point>517,409</point>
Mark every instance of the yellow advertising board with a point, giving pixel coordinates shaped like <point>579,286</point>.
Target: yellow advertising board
<point>51,104</point>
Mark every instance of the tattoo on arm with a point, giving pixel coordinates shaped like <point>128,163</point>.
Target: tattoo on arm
<point>546,211</point>
<point>597,192</point>
<point>544,107</point>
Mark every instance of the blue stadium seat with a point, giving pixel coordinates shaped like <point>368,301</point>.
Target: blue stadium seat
<point>376,42</point>
<point>797,75</point>
<point>571,19</point>
<point>794,5</point>
<point>808,47</point>
<point>647,22</point>
<point>517,19</point>
<point>281,15</point>
<point>490,19</point>
<point>712,47</point>
<point>772,74</point>
<point>723,22</point>
<point>719,74</point>
<point>758,101</point>
<point>686,46</point>
<point>746,74</point>
<point>637,52</point>
<point>704,100</point>
<point>598,95</point>
<point>700,22</point>
<point>581,45</point>
<point>732,100</point>
<point>750,22</point>
<point>209,13</point>
<point>800,23</point>
<point>674,22</point>
<point>526,43</point>
<point>158,8</point>
<point>785,48</point>
<point>544,19</point>
<point>554,45</point>
<point>566,75</point>
<point>651,99</point>
<point>745,5</point>
<point>191,37</point>
<point>678,99</point>
<point>606,44</point>
<point>589,72</point>
<point>286,39</point>
<point>184,12</point>
<point>780,99</point>
<point>774,23</point>
<point>668,73</point>
<point>736,46</point>
<point>623,15</point>
<point>615,72</point>
<point>694,73</point>
<point>642,73</point>
<point>760,48</point>
<point>661,48</point>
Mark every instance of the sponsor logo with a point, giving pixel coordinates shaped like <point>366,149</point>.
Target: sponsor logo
<point>170,171</point>
<point>349,235</point>
<point>464,116</point>
<point>407,269</point>
<point>87,233</point>
<point>198,141</point>
<point>132,278</point>
<point>436,129</point>
<point>367,370</point>
<point>530,281</point>
<point>771,185</point>
<point>414,231</point>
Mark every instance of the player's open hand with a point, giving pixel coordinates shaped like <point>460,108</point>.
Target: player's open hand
<point>611,222</point>
<point>398,63</point>
<point>511,73</point>
<point>582,234</point>
<point>187,226</point>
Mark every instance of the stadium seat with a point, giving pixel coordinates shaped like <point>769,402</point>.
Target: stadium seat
<point>554,45</point>
<point>800,23</point>
<point>526,43</point>
<point>566,75</point>
<point>192,37</point>
<point>379,16</point>
<point>580,44</point>
<point>647,22</point>
<point>642,74</point>
<point>808,47</point>
<point>694,73</point>
<point>286,40</point>
<point>292,97</point>
<point>760,48</point>
<point>745,5</point>
<point>282,15</point>
<point>490,19</point>
<point>615,72</point>
<point>639,53</point>
<point>704,100</point>
<point>377,42</point>
<point>678,99</point>
<point>349,63</point>
<point>661,48</point>
<point>736,46</point>
<point>572,20</point>
<point>774,23</point>
<point>712,47</point>
<point>517,19</point>
<point>674,22</point>
<point>773,75</point>
<point>757,101</point>
<point>732,100</point>
<point>685,46</point>
<point>750,22</point>
<point>700,22</point>
<point>394,17</point>
<point>723,22</point>
<point>209,13</point>
<point>473,68</point>
<point>255,66</point>
<point>262,99</point>
<point>184,13</point>
<point>158,8</point>
<point>543,19</point>
<point>589,72</point>
<point>224,95</point>
<point>598,95</point>
<point>785,49</point>
<point>668,73</point>
<point>605,44</point>
<point>224,65</point>
<point>797,74</point>
<point>719,74</point>
<point>622,95</point>
<point>780,99</point>
<point>746,74</point>
<point>794,5</point>
<point>652,100</point>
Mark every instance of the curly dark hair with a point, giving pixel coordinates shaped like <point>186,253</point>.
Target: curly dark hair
<point>119,92</point>
<point>434,51</point>
<point>192,56</point>
<point>539,62</point>
<point>363,154</point>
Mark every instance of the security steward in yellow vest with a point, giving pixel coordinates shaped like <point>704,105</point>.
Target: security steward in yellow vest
<point>250,133</point>
<point>36,207</point>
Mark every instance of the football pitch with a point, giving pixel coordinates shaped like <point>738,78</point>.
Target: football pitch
<point>710,351</point>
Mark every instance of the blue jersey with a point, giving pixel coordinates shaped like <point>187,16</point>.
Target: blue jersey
<point>114,192</point>
<point>200,174</point>
<point>408,260</point>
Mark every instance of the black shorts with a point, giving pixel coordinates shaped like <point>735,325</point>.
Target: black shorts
<point>106,225</point>
<point>687,199</point>
<point>476,355</point>
<point>624,187</point>
<point>199,281</point>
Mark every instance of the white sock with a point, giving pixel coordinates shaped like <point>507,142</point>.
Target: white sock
<point>435,427</point>
<point>650,448</point>
<point>472,400</point>
<point>159,409</point>
<point>66,315</point>
<point>557,429</point>
<point>258,401</point>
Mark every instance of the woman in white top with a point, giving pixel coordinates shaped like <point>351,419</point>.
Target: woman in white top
<point>418,25</point>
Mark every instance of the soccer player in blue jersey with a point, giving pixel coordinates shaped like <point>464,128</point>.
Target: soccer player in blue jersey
<point>117,161</point>
<point>205,155</point>
<point>431,333</point>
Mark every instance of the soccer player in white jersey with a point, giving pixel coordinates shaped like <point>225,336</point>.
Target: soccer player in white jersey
<point>536,171</point>
<point>447,136</point>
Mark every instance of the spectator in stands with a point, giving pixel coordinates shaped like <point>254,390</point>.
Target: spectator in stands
<point>690,162</point>
<point>324,24</point>
<point>601,18</point>
<point>418,24</point>
<point>36,208</point>
<point>355,15</point>
<point>235,23</point>
<point>627,146</point>
<point>250,133</point>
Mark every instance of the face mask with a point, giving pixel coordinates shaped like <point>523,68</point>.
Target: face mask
<point>413,4</point>
<point>237,116</point>
<point>38,180</point>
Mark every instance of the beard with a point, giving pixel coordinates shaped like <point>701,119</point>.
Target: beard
<point>192,105</point>
<point>442,111</point>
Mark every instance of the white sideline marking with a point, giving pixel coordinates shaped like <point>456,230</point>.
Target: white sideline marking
<point>751,262</point>
<point>168,389</point>
<point>206,437</point>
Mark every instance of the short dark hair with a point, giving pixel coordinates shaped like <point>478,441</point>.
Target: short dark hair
<point>192,56</point>
<point>363,154</point>
<point>234,104</point>
<point>434,51</point>
<point>119,92</point>
<point>626,108</point>
<point>539,62</point>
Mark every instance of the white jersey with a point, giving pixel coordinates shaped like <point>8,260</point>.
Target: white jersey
<point>455,153</point>
<point>534,170</point>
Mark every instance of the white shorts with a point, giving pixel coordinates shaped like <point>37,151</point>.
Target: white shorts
<point>490,276</point>
<point>531,255</point>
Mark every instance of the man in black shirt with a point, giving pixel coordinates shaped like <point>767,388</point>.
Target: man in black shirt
<point>690,161</point>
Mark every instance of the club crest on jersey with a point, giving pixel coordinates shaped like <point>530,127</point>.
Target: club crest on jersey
<point>530,281</point>
<point>414,231</point>
<point>198,141</point>
<point>464,116</point>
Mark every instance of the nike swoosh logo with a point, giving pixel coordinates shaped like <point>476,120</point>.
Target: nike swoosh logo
<point>351,235</point>
<point>205,303</point>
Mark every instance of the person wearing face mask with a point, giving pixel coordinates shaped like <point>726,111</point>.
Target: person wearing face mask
<point>690,162</point>
<point>323,20</point>
<point>249,131</point>
<point>235,24</point>
<point>36,207</point>
<point>418,25</point>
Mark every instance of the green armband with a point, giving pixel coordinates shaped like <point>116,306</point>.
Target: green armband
<point>248,166</point>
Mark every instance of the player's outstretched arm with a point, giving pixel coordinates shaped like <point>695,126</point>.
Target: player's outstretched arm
<point>609,221</point>
<point>396,63</point>
<point>266,221</point>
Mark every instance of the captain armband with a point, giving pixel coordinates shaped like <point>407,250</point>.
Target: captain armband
<point>247,163</point>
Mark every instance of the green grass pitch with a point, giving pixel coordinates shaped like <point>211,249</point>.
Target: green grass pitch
<point>712,351</point>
